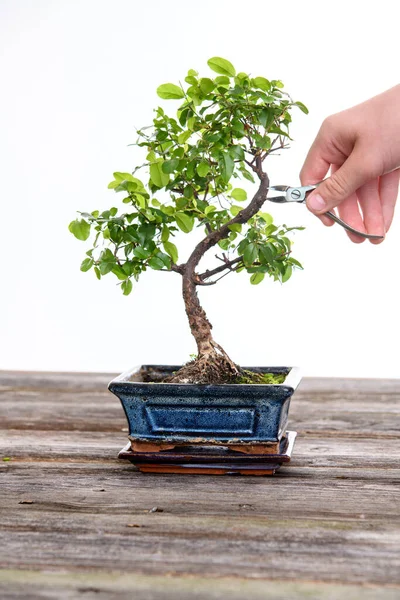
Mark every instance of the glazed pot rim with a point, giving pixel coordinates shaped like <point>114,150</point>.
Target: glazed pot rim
<point>292,379</point>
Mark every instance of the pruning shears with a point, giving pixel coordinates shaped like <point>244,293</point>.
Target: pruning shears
<point>299,194</point>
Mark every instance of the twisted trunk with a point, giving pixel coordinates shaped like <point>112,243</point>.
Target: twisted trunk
<point>199,325</point>
<point>212,364</point>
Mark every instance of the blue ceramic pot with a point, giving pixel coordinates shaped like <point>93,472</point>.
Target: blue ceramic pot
<point>189,413</point>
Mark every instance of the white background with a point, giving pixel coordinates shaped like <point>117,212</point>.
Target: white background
<point>76,78</point>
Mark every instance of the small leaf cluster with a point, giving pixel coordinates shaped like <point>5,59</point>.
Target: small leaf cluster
<point>223,130</point>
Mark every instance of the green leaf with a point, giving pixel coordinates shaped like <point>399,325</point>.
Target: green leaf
<point>183,137</point>
<point>227,166</point>
<point>262,83</point>
<point>191,79</point>
<point>80,229</point>
<point>165,259</point>
<point>126,177</point>
<point>266,217</point>
<point>126,287</point>
<point>237,152</point>
<point>235,209</point>
<point>113,184</point>
<point>266,255</point>
<point>87,264</point>
<point>302,107</point>
<point>141,253</point>
<point>191,123</point>
<point>224,244</point>
<point>206,85</point>
<point>169,166</point>
<point>97,271</point>
<point>184,221</point>
<point>270,229</point>
<point>238,127</point>
<point>188,191</point>
<point>295,262</point>
<point>156,263</point>
<point>164,234</point>
<point>287,274</point>
<point>119,272</point>
<point>170,91</point>
<point>107,261</point>
<point>247,175</point>
<point>203,168</point>
<point>257,278</point>
<point>266,117</point>
<point>222,66</point>
<point>222,80</point>
<point>239,194</point>
<point>157,175</point>
<point>250,254</point>
<point>171,250</point>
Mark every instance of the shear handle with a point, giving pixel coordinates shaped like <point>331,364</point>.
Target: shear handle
<point>309,188</point>
<point>369,236</point>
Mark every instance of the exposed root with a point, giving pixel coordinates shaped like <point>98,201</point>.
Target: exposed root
<point>212,368</point>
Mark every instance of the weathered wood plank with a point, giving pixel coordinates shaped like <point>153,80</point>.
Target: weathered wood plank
<point>331,558</point>
<point>309,450</point>
<point>287,527</point>
<point>297,493</point>
<point>372,414</point>
<point>123,586</point>
<point>331,516</point>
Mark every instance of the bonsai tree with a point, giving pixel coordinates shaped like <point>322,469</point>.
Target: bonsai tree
<point>224,130</point>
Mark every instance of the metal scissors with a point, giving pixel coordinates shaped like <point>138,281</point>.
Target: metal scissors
<point>299,194</point>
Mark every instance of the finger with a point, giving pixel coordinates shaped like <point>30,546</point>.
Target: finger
<point>349,212</point>
<point>326,220</point>
<point>370,202</point>
<point>324,151</point>
<point>340,185</point>
<point>315,166</point>
<point>388,192</point>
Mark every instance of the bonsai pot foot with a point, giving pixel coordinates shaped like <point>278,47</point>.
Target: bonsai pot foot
<point>245,448</point>
<point>209,460</point>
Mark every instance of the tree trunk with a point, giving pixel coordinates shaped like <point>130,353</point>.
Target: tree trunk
<point>200,326</point>
<point>212,364</point>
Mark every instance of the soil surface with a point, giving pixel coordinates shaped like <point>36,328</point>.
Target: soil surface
<point>194,372</point>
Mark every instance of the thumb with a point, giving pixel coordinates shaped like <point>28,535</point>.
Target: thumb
<point>340,185</point>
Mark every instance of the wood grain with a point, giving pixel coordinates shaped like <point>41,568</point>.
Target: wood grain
<point>75,521</point>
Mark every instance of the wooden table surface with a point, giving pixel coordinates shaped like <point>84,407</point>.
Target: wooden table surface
<point>75,521</point>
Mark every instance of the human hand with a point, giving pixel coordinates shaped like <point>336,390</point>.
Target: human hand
<point>361,146</point>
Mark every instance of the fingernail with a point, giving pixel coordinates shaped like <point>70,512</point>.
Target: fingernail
<point>316,202</point>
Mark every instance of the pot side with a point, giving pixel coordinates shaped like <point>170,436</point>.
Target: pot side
<point>206,414</point>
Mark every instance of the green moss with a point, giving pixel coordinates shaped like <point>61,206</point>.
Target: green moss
<point>260,378</point>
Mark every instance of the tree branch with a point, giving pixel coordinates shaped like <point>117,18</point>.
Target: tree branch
<point>242,217</point>
<point>227,265</point>
<point>177,268</point>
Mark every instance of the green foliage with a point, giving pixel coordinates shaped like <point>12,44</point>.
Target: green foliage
<point>223,130</point>
<point>80,229</point>
<point>169,91</point>
<point>260,378</point>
